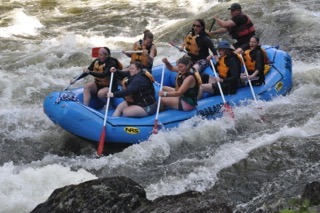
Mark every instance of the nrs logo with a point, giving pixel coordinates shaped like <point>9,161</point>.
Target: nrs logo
<point>279,86</point>
<point>131,130</point>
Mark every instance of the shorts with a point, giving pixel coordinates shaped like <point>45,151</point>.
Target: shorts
<point>184,105</point>
<point>203,64</point>
<point>151,109</point>
<point>204,78</point>
<point>99,87</point>
<point>227,89</point>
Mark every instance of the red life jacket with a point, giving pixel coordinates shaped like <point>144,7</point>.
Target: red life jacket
<point>242,30</point>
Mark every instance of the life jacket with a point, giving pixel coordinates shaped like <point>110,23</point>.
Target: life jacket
<point>98,67</point>
<point>191,45</point>
<point>142,58</point>
<point>267,68</point>
<point>145,96</point>
<point>191,92</point>
<point>181,77</point>
<point>242,30</point>
<point>251,64</point>
<point>119,64</point>
<point>222,68</point>
<point>102,82</point>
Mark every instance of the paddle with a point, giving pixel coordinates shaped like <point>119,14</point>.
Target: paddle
<point>103,132</point>
<point>249,80</point>
<point>226,105</point>
<point>212,24</point>
<point>95,52</point>
<point>155,127</point>
<point>176,46</point>
<point>251,87</point>
<point>75,79</point>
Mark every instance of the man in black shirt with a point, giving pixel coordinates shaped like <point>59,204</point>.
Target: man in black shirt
<point>239,27</point>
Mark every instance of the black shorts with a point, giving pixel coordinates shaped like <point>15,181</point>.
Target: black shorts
<point>227,89</point>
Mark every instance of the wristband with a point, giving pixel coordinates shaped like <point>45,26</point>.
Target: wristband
<point>164,94</point>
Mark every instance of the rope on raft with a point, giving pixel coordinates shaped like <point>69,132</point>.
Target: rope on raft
<point>66,96</point>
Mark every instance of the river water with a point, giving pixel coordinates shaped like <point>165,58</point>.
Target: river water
<point>44,44</point>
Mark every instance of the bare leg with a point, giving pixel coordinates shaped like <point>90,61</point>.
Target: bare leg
<point>171,102</point>
<point>89,89</point>
<point>120,108</point>
<point>134,111</point>
<point>207,88</point>
<point>102,94</point>
<point>196,66</point>
<point>200,93</point>
<point>212,79</point>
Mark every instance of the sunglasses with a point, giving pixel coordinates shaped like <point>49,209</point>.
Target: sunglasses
<point>196,25</point>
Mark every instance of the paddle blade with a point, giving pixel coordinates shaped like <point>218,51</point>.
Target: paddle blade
<point>95,52</point>
<point>228,110</point>
<point>155,127</point>
<point>171,43</point>
<point>101,141</point>
<point>261,112</point>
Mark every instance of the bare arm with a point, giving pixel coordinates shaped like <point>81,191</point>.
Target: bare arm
<point>224,24</point>
<point>153,52</point>
<point>219,31</point>
<point>188,82</point>
<point>169,66</point>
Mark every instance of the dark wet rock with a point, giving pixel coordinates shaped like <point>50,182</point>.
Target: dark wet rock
<point>117,194</point>
<point>121,194</point>
<point>191,201</point>
<point>312,193</point>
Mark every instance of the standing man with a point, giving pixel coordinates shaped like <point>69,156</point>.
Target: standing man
<point>239,27</point>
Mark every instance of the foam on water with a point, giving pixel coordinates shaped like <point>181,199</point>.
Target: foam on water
<point>22,24</point>
<point>204,176</point>
<point>23,188</point>
<point>189,156</point>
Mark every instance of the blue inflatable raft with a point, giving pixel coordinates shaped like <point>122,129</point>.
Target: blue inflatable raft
<point>65,108</point>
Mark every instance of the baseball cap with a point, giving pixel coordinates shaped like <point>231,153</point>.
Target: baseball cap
<point>235,6</point>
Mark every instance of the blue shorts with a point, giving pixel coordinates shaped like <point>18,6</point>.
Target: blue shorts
<point>151,109</point>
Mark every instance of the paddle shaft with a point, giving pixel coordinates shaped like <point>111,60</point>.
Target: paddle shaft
<point>75,79</point>
<point>161,85</point>
<point>212,24</point>
<point>155,128</point>
<point>103,132</point>
<point>108,101</point>
<point>176,46</point>
<point>219,85</point>
<point>250,84</point>
<point>95,51</point>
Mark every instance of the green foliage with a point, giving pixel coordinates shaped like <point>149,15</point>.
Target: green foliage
<point>303,208</point>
